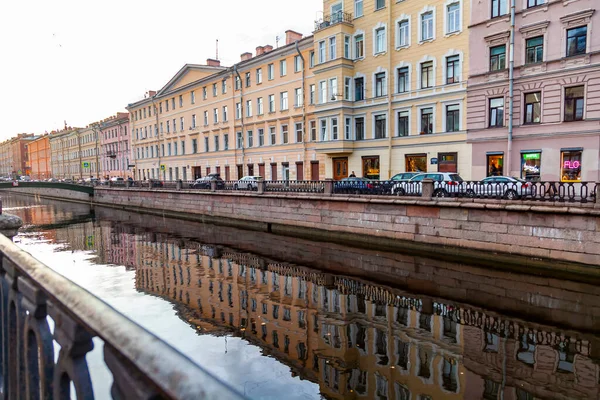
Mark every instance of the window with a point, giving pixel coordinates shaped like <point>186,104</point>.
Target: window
<point>535,3</point>
<point>359,128</point>
<point>272,135</point>
<point>238,110</point>
<point>194,146</point>
<point>259,106</point>
<point>570,166</point>
<point>183,147</point>
<point>180,100</point>
<point>323,125</point>
<point>216,143</point>
<point>530,166</point>
<point>193,120</point>
<point>453,18</point>
<point>380,126</point>
<point>226,142</point>
<point>402,80</point>
<point>358,8</point>
<point>427,26</point>
<point>312,94</point>
<point>174,126</point>
<point>206,147</point>
<point>298,95</point>
<point>403,127</point>
<point>224,113</point>
<point>498,58</point>
<point>173,103</point>
<point>284,101</point>
<point>248,108</point>
<point>174,149</point>
<point>322,92</point>
<point>224,86</point>
<point>259,76</point>
<point>347,88</point>
<point>192,98</point>
<point>250,139</point>
<point>214,90</point>
<point>403,33</point>
<point>534,50</point>
<point>297,64</point>
<point>347,47</point>
<point>271,103</point>
<point>313,131</point>
<point>332,48</point>
<point>168,126</point>
<point>284,134</point>
<point>247,79</point>
<point>311,58</point>
<point>427,74</point>
<point>495,164</point>
<point>359,46</point>
<point>576,41</point>
<point>499,7</point>
<point>322,52</point>
<point>238,83</point>
<point>574,99</point>
<point>359,89</point>
<point>282,68</point>
<point>379,4</point>
<point>299,132</point>
<point>379,40</point>
<point>452,118</point>
<point>533,108</point>
<point>452,69</point>
<point>168,148</point>
<point>426,121</point>
<point>348,128</point>
<point>334,129</point>
<point>380,84</point>
<point>333,88</point>
<point>261,137</point>
<point>215,115</point>
<point>270,71</point>
<point>203,96</point>
<point>239,140</point>
<point>496,112</point>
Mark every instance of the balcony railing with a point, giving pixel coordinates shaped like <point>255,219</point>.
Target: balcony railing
<point>333,19</point>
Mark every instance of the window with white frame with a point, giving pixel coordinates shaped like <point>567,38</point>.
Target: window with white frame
<point>272,135</point>
<point>347,88</point>
<point>427,120</point>
<point>215,115</point>
<point>224,86</point>
<point>380,84</point>
<point>427,26</point>
<point>426,74</point>
<point>299,101</point>
<point>323,129</point>
<point>297,64</point>
<point>259,106</point>
<point>332,48</point>
<point>403,33</point>
<point>216,140</point>
<point>193,120</point>
<point>312,89</point>
<point>380,126</point>
<point>322,92</point>
<point>248,108</point>
<point>240,140</point>
<point>334,128</point>
<point>453,69</point>
<point>453,17</point>
<point>250,138</point>
<point>313,131</point>
<point>283,68</point>
<point>224,113</point>
<point>284,101</point>
<point>359,128</point>
<point>322,52</point>
<point>379,4</point>
<point>284,134</point>
<point>358,8</point>
<point>359,88</point>
<point>348,128</point>
<point>311,58</point>
<point>299,132</point>
<point>205,120</point>
<point>359,46</point>
<point>402,80</point>
<point>271,103</point>
<point>270,71</point>
<point>379,40</point>
<point>259,76</point>
<point>347,46</point>
<point>261,137</point>
<point>238,110</point>
<point>333,88</point>
<point>452,118</point>
<point>403,123</point>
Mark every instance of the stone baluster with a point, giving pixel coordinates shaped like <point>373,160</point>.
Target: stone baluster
<point>128,383</point>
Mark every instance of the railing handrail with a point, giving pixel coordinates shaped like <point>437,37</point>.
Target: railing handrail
<point>172,372</point>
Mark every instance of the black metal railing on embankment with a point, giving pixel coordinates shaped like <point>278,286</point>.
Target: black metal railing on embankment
<point>142,365</point>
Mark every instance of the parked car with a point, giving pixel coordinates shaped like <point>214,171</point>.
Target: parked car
<point>25,178</point>
<point>444,184</point>
<point>500,186</point>
<point>117,179</point>
<point>249,182</point>
<point>404,176</point>
<point>205,182</point>
<point>354,185</point>
<point>155,183</point>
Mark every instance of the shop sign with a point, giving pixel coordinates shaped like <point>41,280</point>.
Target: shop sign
<point>571,164</point>
<point>434,161</point>
<point>531,156</point>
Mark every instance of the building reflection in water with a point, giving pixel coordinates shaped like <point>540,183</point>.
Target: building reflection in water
<point>361,340</point>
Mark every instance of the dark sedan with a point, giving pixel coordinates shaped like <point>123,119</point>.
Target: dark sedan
<point>354,185</point>
<point>204,183</point>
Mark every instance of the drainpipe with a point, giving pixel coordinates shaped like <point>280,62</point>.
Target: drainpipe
<point>511,78</point>
<point>158,138</point>
<point>237,73</point>
<point>80,161</point>
<point>304,163</point>
<point>389,96</point>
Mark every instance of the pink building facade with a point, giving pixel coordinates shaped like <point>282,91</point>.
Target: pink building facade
<point>115,146</point>
<point>556,117</point>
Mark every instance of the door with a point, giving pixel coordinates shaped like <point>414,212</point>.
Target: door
<point>227,172</point>
<point>314,171</point>
<point>207,170</point>
<point>218,170</point>
<point>261,170</point>
<point>299,171</point>
<point>273,172</point>
<point>340,168</point>
<point>251,169</point>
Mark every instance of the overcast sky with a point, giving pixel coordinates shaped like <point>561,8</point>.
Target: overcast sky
<point>82,61</point>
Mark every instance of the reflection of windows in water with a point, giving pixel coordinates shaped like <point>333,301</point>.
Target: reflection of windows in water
<point>230,294</point>
<point>214,312</point>
<point>187,298</point>
<point>425,322</point>
<point>490,389</point>
<point>566,356</point>
<point>264,308</point>
<point>263,278</point>
<point>381,347</point>
<point>275,282</point>
<point>449,375</point>
<point>402,351</point>
<point>315,362</point>
<point>287,288</point>
<point>210,265</point>
<point>381,385</point>
<point>275,311</point>
<point>315,293</point>
<point>449,329</point>
<point>253,275</point>
<point>301,349</point>
<point>287,314</point>
<point>362,305</point>
<point>402,316</point>
<point>424,397</point>
<point>301,319</point>
<point>264,332</point>
<point>358,381</point>
<point>301,288</point>
<point>229,268</point>
<point>316,323</point>
<point>243,322</point>
<point>361,336</point>
<point>402,392</point>
<point>275,339</point>
<point>380,310</point>
<point>253,304</point>
<point>231,319</point>
<point>244,300</point>
<point>331,376</point>
<point>221,291</point>
<point>253,326</point>
<point>336,301</point>
<point>523,395</point>
<point>424,361</point>
<point>222,316</point>
<point>526,351</point>
<point>200,305</point>
<point>242,271</point>
<point>286,344</point>
<point>325,296</point>
<point>491,342</point>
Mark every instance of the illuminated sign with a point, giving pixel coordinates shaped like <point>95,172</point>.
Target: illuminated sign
<point>571,164</point>
<point>531,156</point>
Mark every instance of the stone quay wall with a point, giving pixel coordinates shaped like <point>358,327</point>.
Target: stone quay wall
<point>51,193</point>
<point>492,230</point>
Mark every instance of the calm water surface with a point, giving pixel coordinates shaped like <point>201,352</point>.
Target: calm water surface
<point>275,318</point>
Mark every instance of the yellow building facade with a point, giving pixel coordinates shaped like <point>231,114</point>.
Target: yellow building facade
<point>74,153</point>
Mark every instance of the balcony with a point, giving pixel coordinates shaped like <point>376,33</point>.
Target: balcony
<point>333,19</point>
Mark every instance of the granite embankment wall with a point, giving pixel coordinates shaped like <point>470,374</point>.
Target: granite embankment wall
<point>51,193</point>
<point>491,230</point>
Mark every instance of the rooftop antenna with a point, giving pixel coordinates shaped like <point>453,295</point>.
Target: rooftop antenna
<point>217,49</point>
<point>277,41</point>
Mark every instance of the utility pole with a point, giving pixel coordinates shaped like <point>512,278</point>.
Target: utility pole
<point>96,129</point>
<point>78,134</point>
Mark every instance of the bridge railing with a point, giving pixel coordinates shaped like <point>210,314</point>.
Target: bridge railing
<point>142,365</point>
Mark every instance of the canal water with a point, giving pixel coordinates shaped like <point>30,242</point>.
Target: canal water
<point>285,318</point>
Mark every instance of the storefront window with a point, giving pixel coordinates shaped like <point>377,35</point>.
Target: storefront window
<point>447,162</point>
<point>416,163</point>
<point>495,164</point>
<point>570,170</point>
<point>371,167</point>
<point>530,166</point>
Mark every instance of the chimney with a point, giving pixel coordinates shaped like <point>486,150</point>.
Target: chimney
<point>151,93</point>
<point>211,62</point>
<point>291,36</point>
<point>268,48</point>
<point>260,50</point>
<point>246,56</point>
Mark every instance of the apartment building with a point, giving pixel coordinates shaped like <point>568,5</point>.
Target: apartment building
<point>5,159</point>
<point>64,154</point>
<point>39,157</point>
<point>553,133</point>
<point>89,152</point>
<point>14,157</point>
<point>390,87</point>
<point>114,146</point>
<point>247,119</point>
